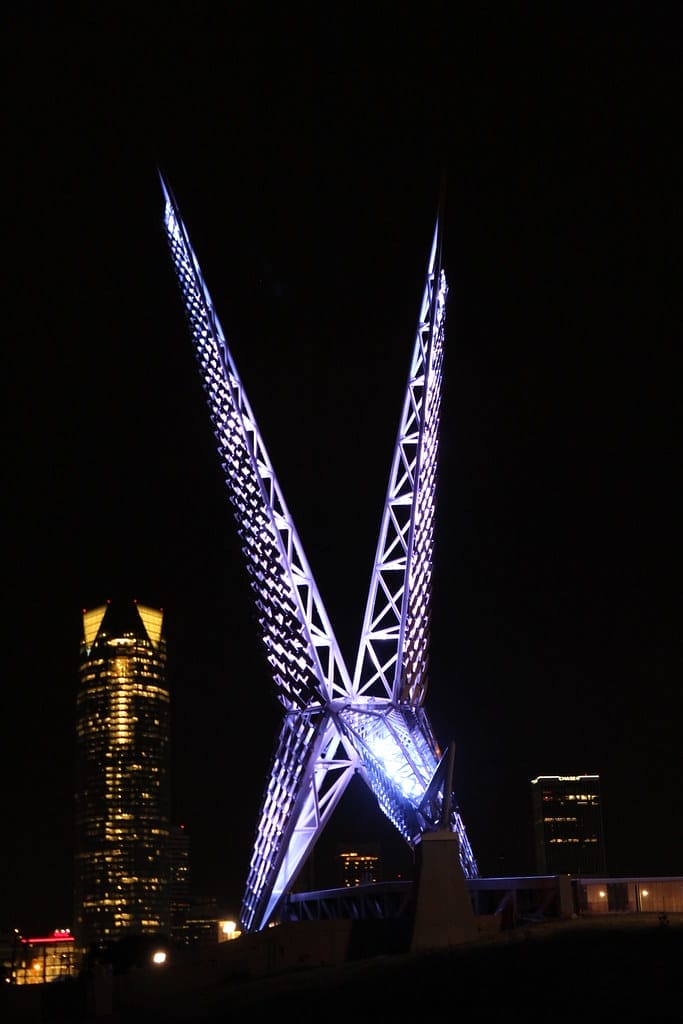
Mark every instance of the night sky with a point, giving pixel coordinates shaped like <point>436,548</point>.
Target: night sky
<point>306,149</point>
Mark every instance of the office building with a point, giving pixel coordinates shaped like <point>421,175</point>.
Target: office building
<point>360,866</point>
<point>179,895</point>
<point>37,961</point>
<point>122,795</point>
<point>568,829</point>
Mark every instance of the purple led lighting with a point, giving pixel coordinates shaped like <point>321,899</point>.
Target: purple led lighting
<point>335,725</point>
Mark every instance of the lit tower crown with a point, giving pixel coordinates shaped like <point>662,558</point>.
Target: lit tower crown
<point>335,724</point>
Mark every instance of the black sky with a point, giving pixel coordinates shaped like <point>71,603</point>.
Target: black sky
<point>306,152</point>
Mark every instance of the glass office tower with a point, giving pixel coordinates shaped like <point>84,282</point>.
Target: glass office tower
<point>122,796</point>
<point>568,829</point>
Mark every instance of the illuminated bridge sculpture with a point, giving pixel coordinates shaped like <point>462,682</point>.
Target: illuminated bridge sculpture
<point>335,723</point>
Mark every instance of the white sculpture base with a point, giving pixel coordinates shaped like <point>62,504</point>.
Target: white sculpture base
<point>444,915</point>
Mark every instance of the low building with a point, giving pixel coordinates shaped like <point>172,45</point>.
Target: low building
<point>37,961</point>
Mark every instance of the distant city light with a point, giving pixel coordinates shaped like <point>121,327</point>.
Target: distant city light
<point>159,957</point>
<point>58,935</point>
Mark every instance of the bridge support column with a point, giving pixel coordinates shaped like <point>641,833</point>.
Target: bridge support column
<point>444,915</point>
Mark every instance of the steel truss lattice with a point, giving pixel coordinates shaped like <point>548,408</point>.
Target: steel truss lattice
<point>335,724</point>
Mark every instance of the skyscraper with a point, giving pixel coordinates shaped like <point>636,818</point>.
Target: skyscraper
<point>178,880</point>
<point>122,795</point>
<point>568,830</point>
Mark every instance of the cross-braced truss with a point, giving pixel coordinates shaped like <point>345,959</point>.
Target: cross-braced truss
<point>334,724</point>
